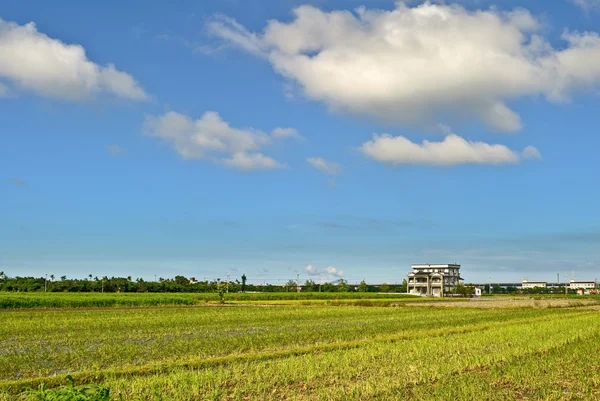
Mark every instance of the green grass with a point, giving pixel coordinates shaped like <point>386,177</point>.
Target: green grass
<point>89,392</point>
<point>316,352</point>
<point>37,300</point>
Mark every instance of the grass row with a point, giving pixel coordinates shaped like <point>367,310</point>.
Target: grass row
<point>10,300</point>
<point>539,358</point>
<point>378,371</point>
<point>259,355</point>
<point>38,344</point>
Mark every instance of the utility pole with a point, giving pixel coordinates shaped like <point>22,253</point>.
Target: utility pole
<point>46,283</point>
<point>298,282</point>
<point>320,282</point>
<point>155,278</point>
<point>489,285</point>
<point>227,286</point>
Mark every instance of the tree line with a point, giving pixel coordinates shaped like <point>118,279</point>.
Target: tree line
<point>92,283</point>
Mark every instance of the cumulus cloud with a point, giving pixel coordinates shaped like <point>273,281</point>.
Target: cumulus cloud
<point>312,271</point>
<point>210,137</point>
<point>531,152</point>
<point>334,272</point>
<point>115,150</point>
<point>330,271</point>
<point>252,161</point>
<point>422,65</point>
<point>452,151</point>
<point>48,67</point>
<point>284,133</point>
<point>325,166</point>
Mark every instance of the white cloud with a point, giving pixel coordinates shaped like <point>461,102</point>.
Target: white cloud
<point>230,30</point>
<point>35,62</point>
<point>312,271</point>
<point>330,271</point>
<point>423,65</point>
<point>284,133</point>
<point>335,272</point>
<point>213,138</point>
<point>252,161</point>
<point>531,152</point>
<point>453,150</point>
<point>323,165</point>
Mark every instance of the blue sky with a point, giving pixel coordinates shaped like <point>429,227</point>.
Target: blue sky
<point>321,138</point>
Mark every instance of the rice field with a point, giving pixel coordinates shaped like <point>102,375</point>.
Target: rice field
<point>20,300</point>
<point>304,352</point>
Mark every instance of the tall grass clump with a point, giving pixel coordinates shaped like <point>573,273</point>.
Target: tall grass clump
<point>89,392</point>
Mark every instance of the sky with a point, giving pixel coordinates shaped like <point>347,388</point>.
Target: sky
<point>322,138</point>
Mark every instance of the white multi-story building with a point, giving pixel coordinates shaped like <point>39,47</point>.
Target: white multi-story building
<point>434,280</point>
<point>533,284</point>
<point>584,285</point>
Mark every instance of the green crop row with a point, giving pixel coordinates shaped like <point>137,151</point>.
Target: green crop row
<point>409,369</point>
<point>290,352</point>
<point>47,343</point>
<point>10,300</point>
<point>460,360</point>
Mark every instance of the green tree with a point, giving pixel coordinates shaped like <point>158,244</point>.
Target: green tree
<point>384,288</point>
<point>221,288</point>
<point>343,286</point>
<point>290,285</point>
<point>180,280</point>
<point>363,287</point>
<point>244,282</point>
<point>310,285</point>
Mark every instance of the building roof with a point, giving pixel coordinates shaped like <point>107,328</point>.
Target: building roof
<point>435,266</point>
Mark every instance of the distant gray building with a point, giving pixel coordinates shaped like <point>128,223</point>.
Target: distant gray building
<point>433,279</point>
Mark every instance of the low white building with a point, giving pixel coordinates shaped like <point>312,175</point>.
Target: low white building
<point>533,284</point>
<point>433,279</point>
<point>584,285</point>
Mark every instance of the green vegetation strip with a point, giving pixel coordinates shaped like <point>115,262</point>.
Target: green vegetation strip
<point>566,371</point>
<point>15,387</point>
<point>381,370</point>
<point>10,300</point>
<point>48,343</point>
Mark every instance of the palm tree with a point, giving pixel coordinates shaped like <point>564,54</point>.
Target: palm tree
<point>63,278</point>
<point>52,277</point>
